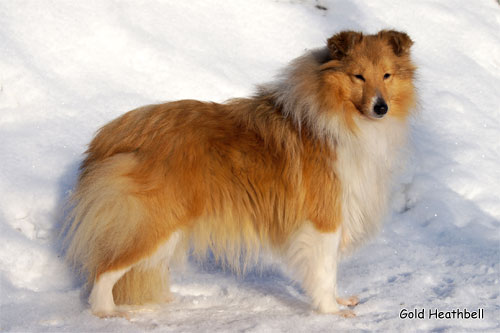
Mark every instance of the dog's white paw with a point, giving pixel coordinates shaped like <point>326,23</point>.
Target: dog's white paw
<point>348,301</point>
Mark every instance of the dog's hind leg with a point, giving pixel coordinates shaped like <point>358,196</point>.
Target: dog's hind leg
<point>101,299</point>
<point>117,227</point>
<point>312,256</point>
<point>148,281</point>
<point>144,281</point>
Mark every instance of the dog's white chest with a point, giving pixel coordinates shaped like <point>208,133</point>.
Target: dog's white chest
<point>365,165</point>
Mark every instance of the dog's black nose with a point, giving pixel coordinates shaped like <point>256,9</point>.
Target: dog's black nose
<point>380,107</point>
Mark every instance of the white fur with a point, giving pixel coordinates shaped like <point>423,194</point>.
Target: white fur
<point>164,253</point>
<point>365,165</point>
<point>312,257</point>
<point>101,298</point>
<point>372,106</point>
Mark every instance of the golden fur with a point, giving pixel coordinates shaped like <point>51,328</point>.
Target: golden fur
<point>238,177</point>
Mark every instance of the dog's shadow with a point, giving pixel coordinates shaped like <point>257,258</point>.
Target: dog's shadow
<point>267,280</point>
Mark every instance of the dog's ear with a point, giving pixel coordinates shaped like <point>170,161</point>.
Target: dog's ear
<point>343,42</point>
<point>399,41</point>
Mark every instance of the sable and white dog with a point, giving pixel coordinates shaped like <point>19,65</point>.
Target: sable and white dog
<point>302,169</point>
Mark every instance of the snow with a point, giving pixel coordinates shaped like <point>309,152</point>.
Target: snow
<point>68,67</point>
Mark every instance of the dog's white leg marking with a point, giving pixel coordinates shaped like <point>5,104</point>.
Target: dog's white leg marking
<point>313,256</point>
<point>101,298</point>
<point>164,253</point>
<point>162,258</point>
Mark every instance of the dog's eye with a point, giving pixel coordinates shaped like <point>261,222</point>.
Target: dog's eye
<point>386,76</point>
<point>359,77</point>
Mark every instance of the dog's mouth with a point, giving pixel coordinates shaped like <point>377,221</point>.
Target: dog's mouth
<point>373,115</point>
<point>367,113</point>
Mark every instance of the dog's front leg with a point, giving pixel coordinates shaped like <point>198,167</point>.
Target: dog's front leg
<point>312,255</point>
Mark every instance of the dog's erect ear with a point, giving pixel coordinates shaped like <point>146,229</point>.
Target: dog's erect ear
<point>399,41</point>
<point>341,43</point>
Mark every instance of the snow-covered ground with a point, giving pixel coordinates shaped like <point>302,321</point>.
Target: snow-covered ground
<point>68,67</point>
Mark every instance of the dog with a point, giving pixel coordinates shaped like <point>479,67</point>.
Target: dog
<point>302,169</point>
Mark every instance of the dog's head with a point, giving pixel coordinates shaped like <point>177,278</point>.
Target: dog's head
<point>373,72</point>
